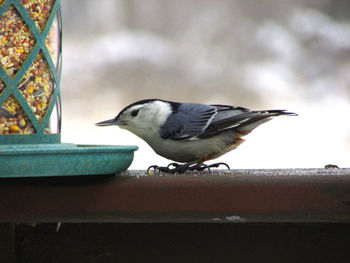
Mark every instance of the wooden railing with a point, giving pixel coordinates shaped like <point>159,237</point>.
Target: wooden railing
<point>238,196</point>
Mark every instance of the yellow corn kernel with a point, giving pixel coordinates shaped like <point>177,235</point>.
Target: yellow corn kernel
<point>41,106</point>
<point>14,128</point>
<point>12,109</point>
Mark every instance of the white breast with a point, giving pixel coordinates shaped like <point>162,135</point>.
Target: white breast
<point>192,151</point>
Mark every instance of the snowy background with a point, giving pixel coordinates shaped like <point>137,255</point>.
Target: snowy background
<point>266,54</point>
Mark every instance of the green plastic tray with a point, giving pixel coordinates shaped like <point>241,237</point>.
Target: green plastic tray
<point>64,159</point>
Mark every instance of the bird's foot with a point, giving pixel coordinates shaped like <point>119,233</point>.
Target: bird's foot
<point>181,168</point>
<point>177,168</point>
<point>214,165</point>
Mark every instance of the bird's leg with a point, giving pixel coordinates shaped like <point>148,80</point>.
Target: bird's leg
<point>173,164</point>
<point>202,166</point>
<point>216,165</point>
<point>178,168</point>
<point>198,167</point>
<point>158,168</point>
<point>181,168</point>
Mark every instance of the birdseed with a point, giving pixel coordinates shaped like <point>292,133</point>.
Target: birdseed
<point>37,84</point>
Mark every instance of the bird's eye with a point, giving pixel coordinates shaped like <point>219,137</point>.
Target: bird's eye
<point>135,112</point>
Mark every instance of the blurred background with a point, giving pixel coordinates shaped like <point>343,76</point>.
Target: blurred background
<point>265,54</point>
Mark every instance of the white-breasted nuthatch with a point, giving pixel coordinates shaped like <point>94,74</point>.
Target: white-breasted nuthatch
<point>190,133</point>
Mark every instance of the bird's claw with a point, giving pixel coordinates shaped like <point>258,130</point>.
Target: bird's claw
<point>178,168</point>
<point>157,168</point>
<point>181,168</point>
<point>216,165</point>
<point>173,164</point>
<point>202,166</point>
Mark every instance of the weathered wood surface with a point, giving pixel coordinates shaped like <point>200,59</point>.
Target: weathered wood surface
<point>238,196</point>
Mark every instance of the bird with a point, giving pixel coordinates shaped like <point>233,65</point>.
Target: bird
<point>190,133</point>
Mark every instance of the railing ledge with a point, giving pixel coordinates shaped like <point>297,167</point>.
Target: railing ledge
<point>236,196</point>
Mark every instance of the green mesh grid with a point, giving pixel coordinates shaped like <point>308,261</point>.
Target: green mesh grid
<point>11,84</point>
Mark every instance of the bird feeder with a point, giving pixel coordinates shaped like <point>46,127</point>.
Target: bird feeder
<point>30,71</point>
<point>30,101</point>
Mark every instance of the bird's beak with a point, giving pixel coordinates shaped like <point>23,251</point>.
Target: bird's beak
<point>108,122</point>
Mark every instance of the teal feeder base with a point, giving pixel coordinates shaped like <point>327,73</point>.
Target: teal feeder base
<point>38,160</point>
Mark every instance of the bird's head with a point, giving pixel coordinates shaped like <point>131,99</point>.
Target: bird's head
<point>141,117</point>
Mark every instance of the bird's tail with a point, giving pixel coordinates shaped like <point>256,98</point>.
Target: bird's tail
<point>260,117</point>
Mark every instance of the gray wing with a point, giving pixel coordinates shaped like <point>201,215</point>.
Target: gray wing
<point>239,119</point>
<point>193,121</point>
<point>188,121</point>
